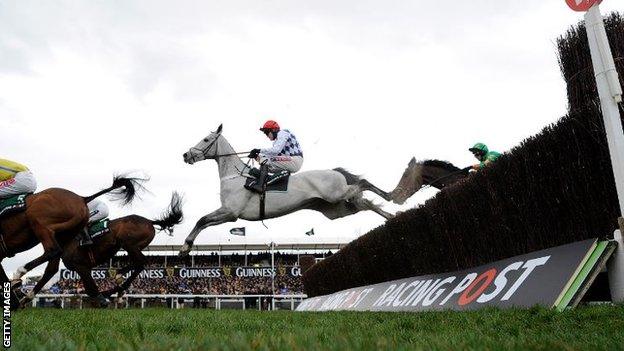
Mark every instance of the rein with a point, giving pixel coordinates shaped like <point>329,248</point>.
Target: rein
<point>205,151</point>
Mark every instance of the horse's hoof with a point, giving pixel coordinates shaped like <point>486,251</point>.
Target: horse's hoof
<point>102,301</point>
<point>186,249</point>
<point>25,301</point>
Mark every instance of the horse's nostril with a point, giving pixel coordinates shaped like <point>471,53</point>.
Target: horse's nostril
<point>185,154</point>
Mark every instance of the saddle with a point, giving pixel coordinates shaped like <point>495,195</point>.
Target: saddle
<point>97,229</point>
<point>12,205</point>
<point>276,182</point>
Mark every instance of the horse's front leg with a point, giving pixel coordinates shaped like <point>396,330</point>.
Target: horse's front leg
<point>222,215</point>
<point>50,271</point>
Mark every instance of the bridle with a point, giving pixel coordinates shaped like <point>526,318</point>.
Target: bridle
<point>400,189</point>
<point>204,152</point>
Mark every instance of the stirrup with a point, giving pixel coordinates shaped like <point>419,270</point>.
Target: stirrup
<point>85,238</point>
<point>256,187</point>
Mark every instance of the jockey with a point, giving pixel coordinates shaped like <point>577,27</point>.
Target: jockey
<point>285,156</point>
<point>484,155</point>
<point>15,179</point>
<point>98,210</point>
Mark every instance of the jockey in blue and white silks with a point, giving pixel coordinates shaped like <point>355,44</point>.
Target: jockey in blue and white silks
<point>284,155</point>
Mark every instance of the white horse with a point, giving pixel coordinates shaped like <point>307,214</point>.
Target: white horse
<point>334,193</point>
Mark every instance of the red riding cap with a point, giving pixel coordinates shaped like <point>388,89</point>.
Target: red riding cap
<point>270,125</point>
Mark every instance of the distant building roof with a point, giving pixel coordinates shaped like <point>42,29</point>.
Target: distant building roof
<point>249,247</point>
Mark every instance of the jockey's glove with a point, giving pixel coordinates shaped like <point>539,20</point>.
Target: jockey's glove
<point>254,153</point>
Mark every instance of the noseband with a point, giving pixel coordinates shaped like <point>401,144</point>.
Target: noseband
<point>204,152</point>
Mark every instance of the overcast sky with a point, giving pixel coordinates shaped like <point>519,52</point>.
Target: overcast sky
<point>93,88</point>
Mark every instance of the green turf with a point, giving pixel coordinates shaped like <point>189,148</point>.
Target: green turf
<point>598,327</point>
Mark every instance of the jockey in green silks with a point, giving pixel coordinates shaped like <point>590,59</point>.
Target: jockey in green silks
<point>484,155</point>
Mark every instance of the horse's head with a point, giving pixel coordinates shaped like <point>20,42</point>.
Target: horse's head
<point>206,149</point>
<point>410,182</point>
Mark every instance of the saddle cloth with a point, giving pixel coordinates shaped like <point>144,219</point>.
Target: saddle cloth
<point>99,228</point>
<point>12,204</point>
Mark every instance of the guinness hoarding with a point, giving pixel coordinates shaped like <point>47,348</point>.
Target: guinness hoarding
<point>195,272</point>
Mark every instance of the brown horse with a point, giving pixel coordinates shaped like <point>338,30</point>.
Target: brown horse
<point>131,233</point>
<point>435,173</point>
<point>51,215</point>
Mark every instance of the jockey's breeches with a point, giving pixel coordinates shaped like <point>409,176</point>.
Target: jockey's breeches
<point>291,164</point>
<point>97,210</point>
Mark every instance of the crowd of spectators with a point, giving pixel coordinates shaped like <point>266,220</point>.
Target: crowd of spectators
<point>284,285</point>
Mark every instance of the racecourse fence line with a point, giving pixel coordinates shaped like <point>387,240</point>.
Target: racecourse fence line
<point>554,188</point>
<point>275,302</point>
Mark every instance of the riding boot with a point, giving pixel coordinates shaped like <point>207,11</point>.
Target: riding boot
<point>254,172</point>
<point>258,186</point>
<point>85,238</point>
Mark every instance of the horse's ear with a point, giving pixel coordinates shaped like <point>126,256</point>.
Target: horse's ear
<point>220,128</point>
<point>412,162</point>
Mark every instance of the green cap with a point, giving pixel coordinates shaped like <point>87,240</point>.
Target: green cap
<point>479,147</point>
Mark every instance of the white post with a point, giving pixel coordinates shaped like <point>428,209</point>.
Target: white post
<point>615,270</point>
<point>273,268</point>
<point>610,93</point>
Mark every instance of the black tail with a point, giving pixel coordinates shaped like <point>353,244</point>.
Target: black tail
<point>350,177</point>
<point>126,195</point>
<point>172,216</point>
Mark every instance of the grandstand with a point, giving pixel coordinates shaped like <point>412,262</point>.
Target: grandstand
<point>241,275</point>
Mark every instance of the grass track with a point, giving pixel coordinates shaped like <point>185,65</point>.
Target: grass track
<point>598,327</point>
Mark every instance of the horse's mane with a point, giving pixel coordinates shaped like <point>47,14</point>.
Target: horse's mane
<point>441,164</point>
